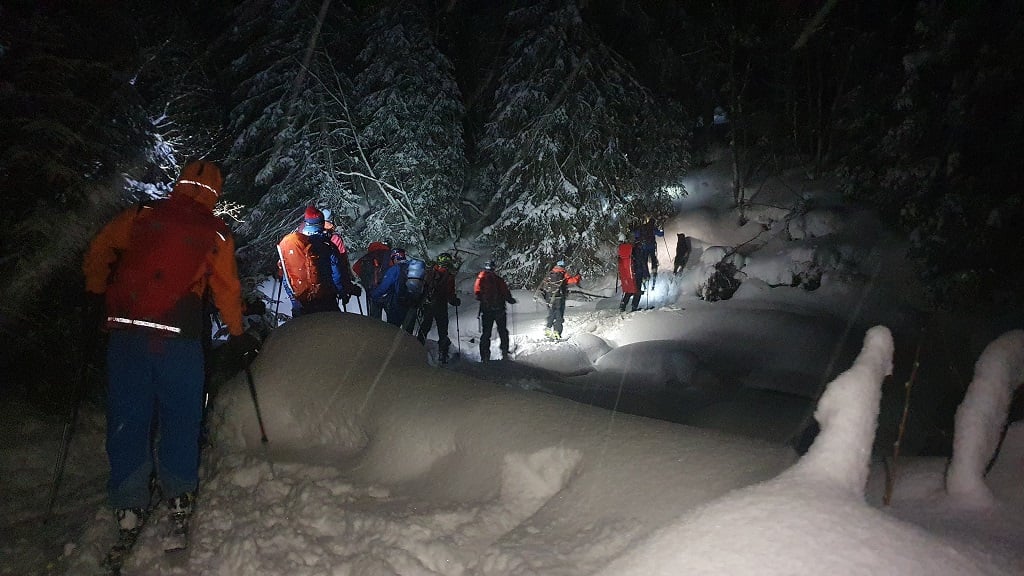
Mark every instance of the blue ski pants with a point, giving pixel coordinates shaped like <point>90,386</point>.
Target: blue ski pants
<point>152,377</point>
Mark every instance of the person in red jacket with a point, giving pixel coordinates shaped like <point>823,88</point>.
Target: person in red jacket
<point>492,292</point>
<point>152,265</point>
<point>633,275</point>
<point>439,293</point>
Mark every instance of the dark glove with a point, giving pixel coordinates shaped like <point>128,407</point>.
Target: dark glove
<point>242,346</point>
<point>344,299</point>
<point>254,307</point>
<point>511,300</point>
<point>457,302</point>
<point>355,290</point>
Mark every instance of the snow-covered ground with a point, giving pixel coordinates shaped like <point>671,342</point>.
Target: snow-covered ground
<point>655,442</point>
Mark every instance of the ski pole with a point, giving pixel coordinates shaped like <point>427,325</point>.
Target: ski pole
<point>458,334</point>
<point>277,302</point>
<point>71,419</point>
<point>255,402</point>
<point>359,300</point>
<point>513,328</point>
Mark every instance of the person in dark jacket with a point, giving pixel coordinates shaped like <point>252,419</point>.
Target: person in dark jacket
<point>555,290</point>
<point>334,233</point>
<point>439,294</point>
<point>492,292</point>
<point>683,248</point>
<point>647,234</point>
<point>370,268</point>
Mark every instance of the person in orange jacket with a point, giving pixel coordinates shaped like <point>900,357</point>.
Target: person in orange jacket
<point>152,267</point>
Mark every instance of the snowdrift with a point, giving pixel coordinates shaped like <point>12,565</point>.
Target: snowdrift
<point>357,394</point>
<point>813,518</point>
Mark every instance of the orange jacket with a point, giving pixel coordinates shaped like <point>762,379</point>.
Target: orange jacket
<point>219,271</point>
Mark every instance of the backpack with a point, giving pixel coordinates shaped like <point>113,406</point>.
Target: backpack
<point>372,266</point>
<point>492,297</point>
<point>551,286</point>
<point>169,243</point>
<point>300,266</point>
<point>414,273</point>
<point>433,285</point>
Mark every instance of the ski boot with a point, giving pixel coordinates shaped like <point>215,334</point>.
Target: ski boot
<point>129,525</point>
<point>180,509</point>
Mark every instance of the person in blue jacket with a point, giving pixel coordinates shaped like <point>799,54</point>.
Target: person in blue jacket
<point>392,295</point>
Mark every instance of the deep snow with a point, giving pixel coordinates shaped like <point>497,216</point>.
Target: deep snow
<point>657,442</point>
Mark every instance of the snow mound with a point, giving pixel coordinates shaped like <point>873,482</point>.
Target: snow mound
<point>658,363</point>
<point>506,471</point>
<point>813,519</point>
<point>591,345</point>
<point>565,358</point>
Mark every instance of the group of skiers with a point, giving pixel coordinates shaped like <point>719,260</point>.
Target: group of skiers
<point>313,267</point>
<point>151,275</point>
<point>407,292</point>
<point>638,261</point>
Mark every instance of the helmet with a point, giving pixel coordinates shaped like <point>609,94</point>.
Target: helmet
<point>445,260</point>
<point>560,263</point>
<point>398,255</point>
<point>489,265</point>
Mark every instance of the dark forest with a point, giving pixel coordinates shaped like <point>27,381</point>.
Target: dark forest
<point>539,127</point>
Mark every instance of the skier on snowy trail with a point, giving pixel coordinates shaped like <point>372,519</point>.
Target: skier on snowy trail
<point>439,293</point>
<point>151,267</point>
<point>554,289</point>
<point>492,292</point>
<point>314,272</point>
<point>632,274</point>
<point>370,268</point>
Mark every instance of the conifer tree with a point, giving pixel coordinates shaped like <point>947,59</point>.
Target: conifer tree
<point>290,125</point>
<point>410,161</point>
<point>575,149</point>
<point>942,168</point>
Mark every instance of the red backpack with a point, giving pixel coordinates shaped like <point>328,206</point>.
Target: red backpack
<point>300,266</point>
<point>168,247</point>
<point>492,291</point>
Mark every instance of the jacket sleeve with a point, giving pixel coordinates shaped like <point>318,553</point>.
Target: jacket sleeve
<point>105,249</point>
<point>385,284</point>
<point>338,276</point>
<point>224,283</point>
